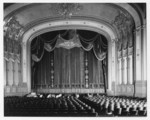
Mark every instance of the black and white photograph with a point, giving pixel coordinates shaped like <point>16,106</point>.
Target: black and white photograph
<point>74,59</point>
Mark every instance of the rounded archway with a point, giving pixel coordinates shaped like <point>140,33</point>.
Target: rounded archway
<point>68,24</point>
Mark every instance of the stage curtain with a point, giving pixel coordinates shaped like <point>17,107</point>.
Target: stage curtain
<point>39,44</point>
<point>69,71</point>
<point>68,67</point>
<point>96,77</point>
<point>41,71</point>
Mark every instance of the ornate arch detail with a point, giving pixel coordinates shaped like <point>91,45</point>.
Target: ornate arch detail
<point>122,22</point>
<point>58,25</point>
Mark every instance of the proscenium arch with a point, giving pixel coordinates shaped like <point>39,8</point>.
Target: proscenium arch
<point>69,24</point>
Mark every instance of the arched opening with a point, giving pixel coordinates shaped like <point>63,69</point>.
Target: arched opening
<point>72,24</point>
<point>69,61</point>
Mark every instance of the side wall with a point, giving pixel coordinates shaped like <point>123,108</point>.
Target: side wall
<point>13,86</point>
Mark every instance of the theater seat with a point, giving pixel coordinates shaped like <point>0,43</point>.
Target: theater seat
<point>97,105</point>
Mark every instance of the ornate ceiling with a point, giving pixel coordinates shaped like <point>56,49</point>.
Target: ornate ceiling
<point>19,17</point>
<point>29,14</point>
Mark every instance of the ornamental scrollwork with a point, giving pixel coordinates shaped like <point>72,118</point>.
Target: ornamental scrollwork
<point>13,29</point>
<point>124,24</point>
<point>66,10</point>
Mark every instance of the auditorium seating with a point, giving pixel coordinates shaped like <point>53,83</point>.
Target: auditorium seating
<point>71,105</point>
<point>117,106</point>
<point>36,106</point>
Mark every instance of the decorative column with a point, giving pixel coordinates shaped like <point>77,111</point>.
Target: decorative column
<point>5,72</point>
<point>13,31</point>
<point>124,23</point>
<point>122,70</point>
<point>16,73</point>
<point>17,52</point>
<point>125,66</point>
<point>19,74</point>
<point>138,54</point>
<point>86,71</point>
<point>140,67</point>
<point>144,60</point>
<point>130,65</point>
<point>114,66</point>
<point>109,67</point>
<point>13,69</point>
<point>24,75</point>
<point>119,68</point>
<point>128,70</point>
<point>126,75</point>
<point>10,73</point>
<point>144,52</point>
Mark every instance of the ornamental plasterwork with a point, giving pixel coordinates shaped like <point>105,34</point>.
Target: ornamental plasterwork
<point>66,10</point>
<point>12,33</point>
<point>13,29</point>
<point>11,57</point>
<point>124,24</point>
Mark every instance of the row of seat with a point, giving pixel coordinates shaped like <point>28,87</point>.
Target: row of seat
<point>62,106</point>
<point>116,106</point>
<point>74,105</point>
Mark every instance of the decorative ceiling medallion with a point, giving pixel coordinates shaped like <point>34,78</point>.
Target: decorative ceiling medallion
<point>13,29</point>
<point>66,10</point>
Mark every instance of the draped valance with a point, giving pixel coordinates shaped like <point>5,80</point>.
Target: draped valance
<point>75,38</point>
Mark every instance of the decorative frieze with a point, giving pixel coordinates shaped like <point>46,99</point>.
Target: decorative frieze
<point>66,10</point>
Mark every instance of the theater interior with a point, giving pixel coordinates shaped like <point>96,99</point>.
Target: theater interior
<point>75,60</point>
